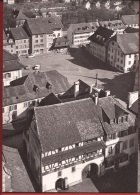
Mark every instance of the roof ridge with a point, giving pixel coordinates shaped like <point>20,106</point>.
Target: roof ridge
<point>63,103</point>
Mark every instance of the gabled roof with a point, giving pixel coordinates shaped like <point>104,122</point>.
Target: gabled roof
<point>112,108</point>
<point>83,27</point>
<point>21,16</point>
<point>22,89</point>
<point>112,24</point>
<point>19,33</point>
<point>20,181</point>
<point>101,35</point>
<point>130,19</point>
<point>11,62</point>
<point>39,26</point>
<point>49,100</point>
<point>84,89</point>
<point>60,42</point>
<point>129,43</point>
<point>67,123</point>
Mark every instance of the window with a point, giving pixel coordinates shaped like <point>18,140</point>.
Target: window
<point>118,53</point>
<point>73,169</point>
<point>126,118</point>
<point>110,150</point>
<point>129,56</point>
<point>77,144</point>
<point>41,40</point>
<point>36,36</point>
<point>7,75</point>
<point>15,107</point>
<point>36,41</point>
<point>109,49</point>
<point>112,50</point>
<point>121,61</point>
<point>41,35</point>
<point>25,104</point>
<point>112,43</point>
<point>16,47</point>
<point>131,143</point>
<point>122,119</point>
<point>124,145</point>
<point>118,59</point>
<point>24,41</point>
<point>59,149</point>
<point>59,173</point>
<point>129,62</point>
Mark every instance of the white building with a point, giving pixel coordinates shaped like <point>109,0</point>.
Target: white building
<point>26,92</point>
<point>123,51</point>
<point>88,5</point>
<point>78,34</point>
<point>98,42</point>
<point>12,68</point>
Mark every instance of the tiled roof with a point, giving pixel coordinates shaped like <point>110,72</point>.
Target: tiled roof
<point>19,33</point>
<point>131,30</point>
<point>101,35</point>
<point>44,25</point>
<point>111,107</point>
<point>22,89</point>
<point>11,62</point>
<point>20,181</point>
<point>129,43</point>
<point>112,24</point>
<point>84,27</point>
<point>114,109</point>
<point>130,19</point>
<point>21,16</point>
<point>83,90</point>
<point>49,100</point>
<point>92,147</point>
<point>67,123</point>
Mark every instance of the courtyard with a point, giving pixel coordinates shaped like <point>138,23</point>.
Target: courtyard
<point>81,65</point>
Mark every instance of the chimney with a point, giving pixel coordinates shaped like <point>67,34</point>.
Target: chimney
<point>91,88</point>
<point>96,98</point>
<point>76,88</point>
<point>107,93</point>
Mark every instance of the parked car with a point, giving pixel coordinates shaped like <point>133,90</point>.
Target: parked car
<point>30,56</point>
<point>36,67</point>
<point>27,67</point>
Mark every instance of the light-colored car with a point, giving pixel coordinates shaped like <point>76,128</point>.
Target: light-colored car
<point>36,67</point>
<point>30,56</point>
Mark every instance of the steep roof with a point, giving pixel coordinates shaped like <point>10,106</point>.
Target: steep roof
<point>129,43</point>
<point>83,27</point>
<point>67,123</point>
<point>112,24</point>
<point>101,35</point>
<point>20,181</point>
<point>21,16</point>
<point>11,62</point>
<point>44,25</point>
<point>19,33</point>
<point>84,89</point>
<point>23,89</point>
<point>113,109</point>
<point>49,100</point>
<point>130,19</point>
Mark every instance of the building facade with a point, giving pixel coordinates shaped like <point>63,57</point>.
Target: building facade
<point>78,34</point>
<point>98,42</point>
<point>121,54</point>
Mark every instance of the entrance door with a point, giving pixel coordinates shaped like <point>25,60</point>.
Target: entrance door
<point>60,183</point>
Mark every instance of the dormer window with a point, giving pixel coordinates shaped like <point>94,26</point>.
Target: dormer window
<point>7,75</point>
<point>48,86</point>
<point>35,88</point>
<point>126,118</point>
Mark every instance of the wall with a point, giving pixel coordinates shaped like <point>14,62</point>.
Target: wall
<point>132,97</point>
<point>48,181</point>
<point>82,38</point>
<point>14,75</point>
<point>98,51</point>
<point>22,46</point>
<point>69,35</point>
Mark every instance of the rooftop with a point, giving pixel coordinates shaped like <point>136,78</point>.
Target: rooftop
<point>19,33</point>
<point>21,16</point>
<point>76,121</point>
<point>11,62</point>
<point>20,181</point>
<point>130,19</point>
<point>35,85</point>
<point>84,27</point>
<point>101,35</point>
<point>129,42</point>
